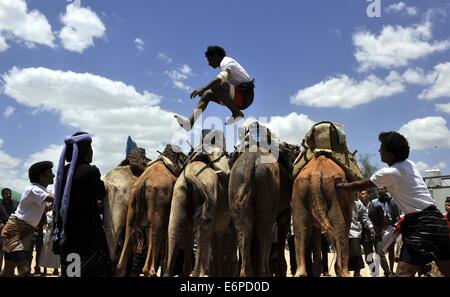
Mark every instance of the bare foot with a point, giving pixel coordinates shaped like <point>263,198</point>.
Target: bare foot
<point>183,122</point>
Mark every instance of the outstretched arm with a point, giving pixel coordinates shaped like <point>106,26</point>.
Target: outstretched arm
<point>358,185</point>
<point>199,92</point>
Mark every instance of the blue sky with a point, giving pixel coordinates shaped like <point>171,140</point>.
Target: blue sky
<point>119,68</point>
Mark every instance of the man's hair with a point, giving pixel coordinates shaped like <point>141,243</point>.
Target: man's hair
<point>215,50</point>
<point>4,190</point>
<point>37,169</point>
<point>447,200</point>
<point>396,144</point>
<point>83,148</point>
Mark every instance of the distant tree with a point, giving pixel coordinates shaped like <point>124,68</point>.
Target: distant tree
<point>367,168</point>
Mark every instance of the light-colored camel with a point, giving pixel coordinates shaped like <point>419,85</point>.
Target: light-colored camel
<point>317,205</point>
<point>200,203</point>
<point>149,207</point>
<point>118,183</point>
<point>259,195</point>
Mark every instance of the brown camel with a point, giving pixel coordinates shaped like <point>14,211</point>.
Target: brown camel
<point>200,203</point>
<point>149,207</point>
<point>254,196</point>
<point>317,205</point>
<point>259,195</point>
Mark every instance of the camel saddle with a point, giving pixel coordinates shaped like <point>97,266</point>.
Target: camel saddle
<point>256,133</point>
<point>328,138</point>
<point>170,158</point>
<point>210,150</point>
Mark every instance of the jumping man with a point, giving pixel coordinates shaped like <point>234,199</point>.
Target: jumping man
<point>233,87</point>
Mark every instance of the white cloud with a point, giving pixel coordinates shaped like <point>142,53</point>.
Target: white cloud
<point>60,90</point>
<point>181,85</point>
<point>81,26</point>
<point>440,84</point>
<point>50,153</point>
<point>401,7</point>
<point>109,110</point>
<point>17,23</point>
<point>3,45</point>
<point>426,133</point>
<point>395,46</point>
<point>165,57</point>
<point>176,75</point>
<point>423,167</point>
<point>139,44</point>
<point>186,69</point>
<point>345,92</point>
<point>291,128</point>
<point>14,171</point>
<point>11,173</point>
<point>418,77</point>
<point>179,75</point>
<point>443,107</point>
<point>9,110</point>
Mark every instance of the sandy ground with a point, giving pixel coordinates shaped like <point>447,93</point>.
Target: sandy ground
<point>365,272</point>
<point>49,270</point>
<point>331,259</point>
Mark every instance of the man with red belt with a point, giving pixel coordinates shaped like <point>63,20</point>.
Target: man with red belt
<point>233,87</point>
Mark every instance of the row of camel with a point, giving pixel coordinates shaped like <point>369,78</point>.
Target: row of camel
<point>230,205</point>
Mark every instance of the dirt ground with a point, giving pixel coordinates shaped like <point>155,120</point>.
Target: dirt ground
<point>331,259</point>
<point>365,272</point>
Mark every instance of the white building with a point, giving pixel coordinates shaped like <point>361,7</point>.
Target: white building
<point>439,186</point>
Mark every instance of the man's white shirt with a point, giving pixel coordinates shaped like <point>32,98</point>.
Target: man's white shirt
<point>32,204</point>
<point>406,186</point>
<point>236,74</point>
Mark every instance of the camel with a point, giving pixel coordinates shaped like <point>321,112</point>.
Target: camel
<point>317,205</point>
<point>118,182</point>
<point>259,196</point>
<point>200,203</point>
<point>149,207</point>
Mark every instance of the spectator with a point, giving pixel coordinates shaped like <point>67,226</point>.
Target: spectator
<point>78,225</point>
<point>384,223</point>
<point>3,220</point>
<point>8,203</point>
<point>18,231</point>
<point>359,219</point>
<point>447,211</point>
<point>47,258</point>
<point>424,232</point>
<point>366,234</point>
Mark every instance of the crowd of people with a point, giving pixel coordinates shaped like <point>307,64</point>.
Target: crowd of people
<point>424,230</point>
<point>69,221</point>
<point>56,226</point>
